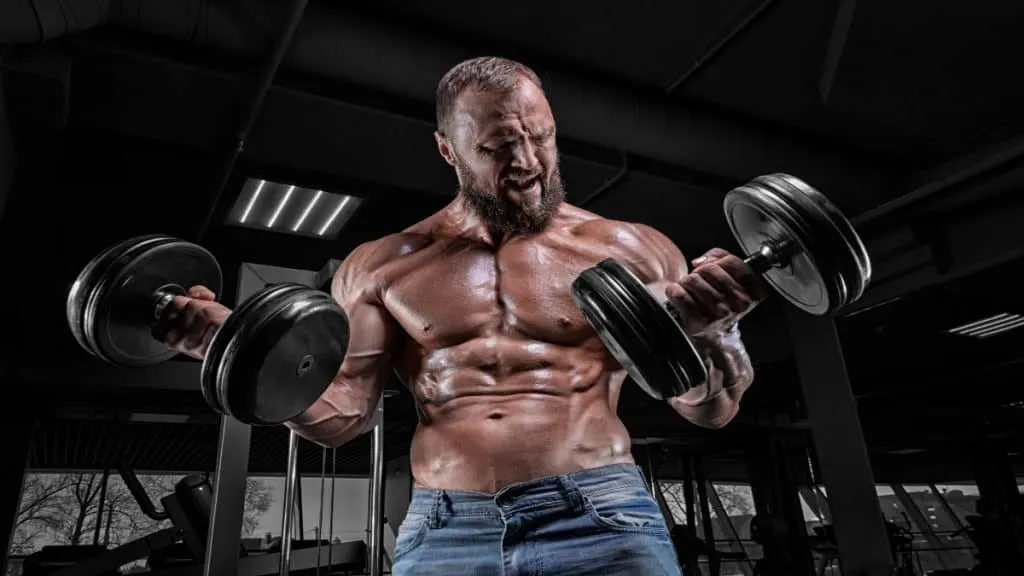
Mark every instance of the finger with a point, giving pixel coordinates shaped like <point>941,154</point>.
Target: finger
<point>190,323</point>
<point>200,292</point>
<point>711,255</point>
<point>689,309</point>
<point>745,276</point>
<point>178,303</point>
<point>734,294</point>
<point>171,338</point>
<point>711,301</point>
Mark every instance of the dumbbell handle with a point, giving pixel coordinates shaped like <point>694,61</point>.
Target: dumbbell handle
<point>770,255</point>
<point>162,298</point>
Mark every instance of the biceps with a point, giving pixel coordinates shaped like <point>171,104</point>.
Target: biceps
<point>373,338</point>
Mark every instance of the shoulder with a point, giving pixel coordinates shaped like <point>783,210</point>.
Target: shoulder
<point>360,273</point>
<point>650,253</point>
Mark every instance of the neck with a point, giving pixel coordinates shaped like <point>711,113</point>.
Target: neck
<point>464,221</point>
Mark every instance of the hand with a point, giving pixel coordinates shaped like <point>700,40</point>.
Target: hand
<point>190,321</point>
<point>719,291</point>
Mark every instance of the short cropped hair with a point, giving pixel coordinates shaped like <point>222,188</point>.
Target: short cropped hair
<point>489,73</point>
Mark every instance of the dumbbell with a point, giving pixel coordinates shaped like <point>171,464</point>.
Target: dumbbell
<point>794,237</point>
<point>271,359</point>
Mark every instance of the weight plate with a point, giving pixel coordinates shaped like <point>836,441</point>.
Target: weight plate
<point>648,342</point>
<point>280,354</point>
<point>757,215</point>
<point>120,312</point>
<point>850,251</point>
<point>839,267</point>
<point>221,345</point>
<point>86,283</point>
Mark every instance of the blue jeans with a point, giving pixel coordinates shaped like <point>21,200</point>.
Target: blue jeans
<point>601,521</point>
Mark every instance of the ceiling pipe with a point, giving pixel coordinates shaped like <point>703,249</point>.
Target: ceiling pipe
<point>713,52</point>
<point>331,43</point>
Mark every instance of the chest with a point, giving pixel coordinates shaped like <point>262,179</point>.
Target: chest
<point>464,291</point>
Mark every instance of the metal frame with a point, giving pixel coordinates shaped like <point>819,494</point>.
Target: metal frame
<point>839,443</point>
<point>223,540</point>
<point>922,524</point>
<point>375,518</point>
<point>291,478</point>
<point>725,523</point>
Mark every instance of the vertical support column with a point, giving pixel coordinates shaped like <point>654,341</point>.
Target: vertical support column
<point>839,441</point>
<point>1001,505</point>
<point>222,544</point>
<point>375,519</point>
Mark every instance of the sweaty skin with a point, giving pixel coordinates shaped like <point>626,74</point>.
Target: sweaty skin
<point>511,382</point>
<point>472,308</point>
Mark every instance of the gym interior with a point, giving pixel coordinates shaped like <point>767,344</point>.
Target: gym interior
<point>884,438</point>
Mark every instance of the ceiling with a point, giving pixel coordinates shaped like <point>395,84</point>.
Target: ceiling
<point>119,117</point>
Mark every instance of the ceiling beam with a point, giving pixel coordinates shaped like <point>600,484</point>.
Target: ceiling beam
<point>960,243</point>
<point>336,45</point>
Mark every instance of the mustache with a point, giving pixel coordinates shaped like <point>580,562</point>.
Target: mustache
<point>521,177</point>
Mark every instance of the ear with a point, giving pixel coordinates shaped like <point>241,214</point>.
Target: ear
<point>444,148</point>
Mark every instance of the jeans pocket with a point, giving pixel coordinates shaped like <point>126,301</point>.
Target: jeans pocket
<point>410,535</point>
<point>628,509</point>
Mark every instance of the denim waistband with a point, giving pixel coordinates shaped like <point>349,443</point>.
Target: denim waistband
<point>564,489</point>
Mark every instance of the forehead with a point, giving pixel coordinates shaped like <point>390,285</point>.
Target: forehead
<point>493,110</point>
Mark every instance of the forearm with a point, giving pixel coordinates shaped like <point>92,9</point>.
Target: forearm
<point>714,403</point>
<point>342,412</point>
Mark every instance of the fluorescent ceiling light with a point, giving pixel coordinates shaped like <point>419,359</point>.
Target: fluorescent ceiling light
<point>269,205</point>
<point>991,326</point>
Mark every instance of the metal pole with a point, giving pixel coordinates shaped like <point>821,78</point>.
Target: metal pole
<point>330,530</point>
<point>375,546</point>
<point>320,518</point>
<point>290,478</point>
<point>300,527</point>
<point>99,509</point>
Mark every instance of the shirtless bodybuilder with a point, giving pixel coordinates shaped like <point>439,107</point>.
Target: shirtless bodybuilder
<point>521,463</point>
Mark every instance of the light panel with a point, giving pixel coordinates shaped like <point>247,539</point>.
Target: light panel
<point>990,326</point>
<point>291,209</point>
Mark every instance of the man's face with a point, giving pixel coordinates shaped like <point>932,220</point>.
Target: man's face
<point>502,145</point>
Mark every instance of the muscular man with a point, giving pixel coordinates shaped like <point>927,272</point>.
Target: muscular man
<point>521,464</point>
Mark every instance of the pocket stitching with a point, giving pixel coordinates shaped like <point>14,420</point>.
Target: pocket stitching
<point>415,539</point>
<point>658,528</point>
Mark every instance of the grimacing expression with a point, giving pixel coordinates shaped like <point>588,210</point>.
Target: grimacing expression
<point>502,146</point>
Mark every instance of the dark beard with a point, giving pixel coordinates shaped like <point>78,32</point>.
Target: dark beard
<point>505,217</point>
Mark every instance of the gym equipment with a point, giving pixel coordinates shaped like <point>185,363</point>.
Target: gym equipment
<point>275,354</point>
<point>180,548</point>
<point>270,361</point>
<point>188,509</point>
<point>797,240</point>
<point>120,294</point>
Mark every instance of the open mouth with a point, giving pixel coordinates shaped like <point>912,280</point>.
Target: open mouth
<point>526,187</point>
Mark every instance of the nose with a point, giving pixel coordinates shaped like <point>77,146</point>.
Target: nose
<point>524,156</point>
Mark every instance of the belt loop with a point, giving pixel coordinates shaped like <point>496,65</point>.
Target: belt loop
<point>434,518</point>
<point>643,479</point>
<point>572,493</point>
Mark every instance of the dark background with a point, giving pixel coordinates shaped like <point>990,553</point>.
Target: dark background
<point>116,116</point>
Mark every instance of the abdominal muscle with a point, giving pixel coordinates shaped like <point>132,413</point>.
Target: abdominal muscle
<point>500,410</point>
